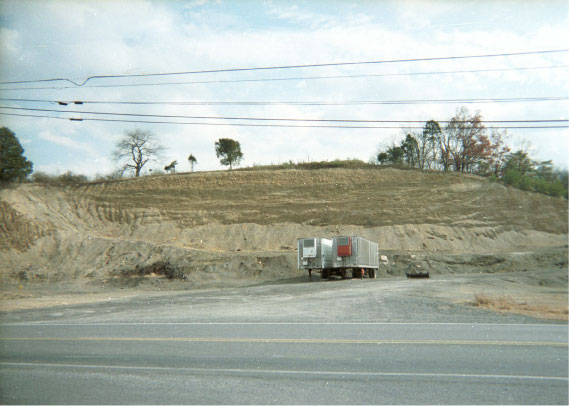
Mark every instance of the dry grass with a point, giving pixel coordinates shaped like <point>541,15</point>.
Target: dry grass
<point>373,196</point>
<point>502,303</point>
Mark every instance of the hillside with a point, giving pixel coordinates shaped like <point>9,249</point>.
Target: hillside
<point>218,228</point>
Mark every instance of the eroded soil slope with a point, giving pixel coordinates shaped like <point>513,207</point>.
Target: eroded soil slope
<point>219,228</point>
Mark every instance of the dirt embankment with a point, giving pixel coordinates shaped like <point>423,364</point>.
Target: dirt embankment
<point>211,229</point>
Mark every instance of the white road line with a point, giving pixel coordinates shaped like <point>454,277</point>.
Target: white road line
<point>283,372</point>
<point>35,324</point>
<point>261,340</point>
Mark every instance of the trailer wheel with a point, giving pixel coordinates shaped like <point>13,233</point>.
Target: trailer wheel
<point>343,273</point>
<point>325,274</point>
<point>372,273</point>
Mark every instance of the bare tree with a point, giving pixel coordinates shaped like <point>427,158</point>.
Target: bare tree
<point>499,152</point>
<point>444,147</point>
<point>137,147</point>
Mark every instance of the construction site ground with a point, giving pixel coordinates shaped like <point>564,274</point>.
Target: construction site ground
<point>482,243</point>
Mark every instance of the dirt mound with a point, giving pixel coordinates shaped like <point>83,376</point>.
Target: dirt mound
<point>242,226</point>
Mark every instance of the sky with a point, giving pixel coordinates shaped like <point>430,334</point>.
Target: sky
<point>133,40</point>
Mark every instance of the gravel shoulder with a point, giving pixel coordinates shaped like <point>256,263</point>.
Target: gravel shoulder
<point>538,295</point>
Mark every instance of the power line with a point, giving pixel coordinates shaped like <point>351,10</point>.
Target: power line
<point>265,118</point>
<point>283,67</point>
<point>259,125</point>
<point>298,103</point>
<point>291,78</point>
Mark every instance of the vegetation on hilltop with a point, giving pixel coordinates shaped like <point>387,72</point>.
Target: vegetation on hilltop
<point>537,177</point>
<point>465,145</point>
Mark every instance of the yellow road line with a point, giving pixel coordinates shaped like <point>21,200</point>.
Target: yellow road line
<point>290,341</point>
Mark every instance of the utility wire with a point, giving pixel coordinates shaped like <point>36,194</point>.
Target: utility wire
<point>79,84</point>
<point>290,78</point>
<point>259,125</point>
<point>267,119</point>
<point>301,103</point>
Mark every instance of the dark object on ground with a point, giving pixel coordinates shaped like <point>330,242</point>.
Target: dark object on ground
<point>157,268</point>
<point>417,274</point>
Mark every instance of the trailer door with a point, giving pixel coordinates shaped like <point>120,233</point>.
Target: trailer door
<point>309,248</point>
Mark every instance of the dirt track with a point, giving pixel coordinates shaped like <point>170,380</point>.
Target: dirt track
<point>234,228</point>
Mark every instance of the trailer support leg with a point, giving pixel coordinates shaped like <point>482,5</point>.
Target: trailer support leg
<point>310,274</point>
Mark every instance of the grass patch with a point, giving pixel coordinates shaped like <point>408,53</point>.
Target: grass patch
<point>507,304</point>
<point>496,303</point>
<point>337,163</point>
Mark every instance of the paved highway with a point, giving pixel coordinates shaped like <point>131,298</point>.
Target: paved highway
<point>283,363</point>
<point>208,348</point>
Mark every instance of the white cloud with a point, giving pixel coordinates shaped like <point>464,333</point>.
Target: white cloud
<point>298,15</point>
<point>65,141</point>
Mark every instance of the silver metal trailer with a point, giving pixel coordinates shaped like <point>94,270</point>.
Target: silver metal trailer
<point>314,254</point>
<point>355,254</point>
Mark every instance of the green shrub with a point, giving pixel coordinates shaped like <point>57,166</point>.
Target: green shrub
<point>67,179</point>
<point>526,183</point>
<point>557,189</point>
<point>41,177</point>
<point>70,178</point>
<point>512,177</point>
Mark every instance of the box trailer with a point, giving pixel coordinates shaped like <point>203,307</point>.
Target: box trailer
<point>314,254</point>
<point>353,254</point>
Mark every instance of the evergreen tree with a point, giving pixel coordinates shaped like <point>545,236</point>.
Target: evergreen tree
<point>13,163</point>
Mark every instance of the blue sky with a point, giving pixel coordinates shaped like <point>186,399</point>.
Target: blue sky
<point>77,39</point>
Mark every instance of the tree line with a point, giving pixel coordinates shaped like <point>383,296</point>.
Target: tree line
<point>133,151</point>
<point>464,144</point>
<point>138,147</point>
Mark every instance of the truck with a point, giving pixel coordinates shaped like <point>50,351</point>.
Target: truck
<point>314,254</point>
<point>338,256</point>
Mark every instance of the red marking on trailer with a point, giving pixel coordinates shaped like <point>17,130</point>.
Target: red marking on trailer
<point>345,246</point>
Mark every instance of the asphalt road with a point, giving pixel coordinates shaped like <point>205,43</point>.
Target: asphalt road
<point>86,355</point>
